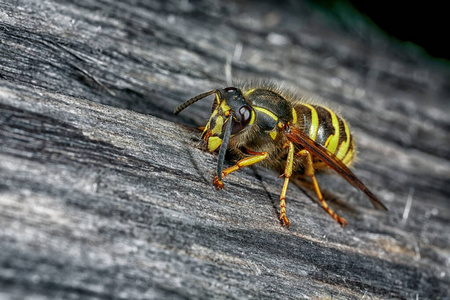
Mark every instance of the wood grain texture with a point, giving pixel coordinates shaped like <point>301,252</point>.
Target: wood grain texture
<point>103,194</point>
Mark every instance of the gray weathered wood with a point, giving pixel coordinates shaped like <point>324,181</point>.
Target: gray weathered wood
<point>103,194</point>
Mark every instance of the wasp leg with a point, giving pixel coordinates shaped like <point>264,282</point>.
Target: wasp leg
<point>309,171</point>
<point>248,161</point>
<point>287,175</point>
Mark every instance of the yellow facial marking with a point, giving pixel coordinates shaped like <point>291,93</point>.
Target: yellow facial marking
<point>333,140</point>
<point>224,106</point>
<point>214,142</point>
<point>217,130</point>
<point>314,122</point>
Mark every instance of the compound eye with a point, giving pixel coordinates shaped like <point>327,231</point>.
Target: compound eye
<point>243,117</point>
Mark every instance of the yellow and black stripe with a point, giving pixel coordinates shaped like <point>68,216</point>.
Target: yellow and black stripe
<point>328,129</point>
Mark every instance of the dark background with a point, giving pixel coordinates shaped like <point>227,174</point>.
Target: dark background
<point>416,24</point>
<point>423,23</point>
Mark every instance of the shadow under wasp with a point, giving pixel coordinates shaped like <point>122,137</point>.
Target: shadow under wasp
<point>264,125</point>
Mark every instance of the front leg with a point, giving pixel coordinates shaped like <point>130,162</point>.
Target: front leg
<point>248,161</point>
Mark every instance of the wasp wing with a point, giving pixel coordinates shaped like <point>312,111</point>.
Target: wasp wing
<point>299,138</point>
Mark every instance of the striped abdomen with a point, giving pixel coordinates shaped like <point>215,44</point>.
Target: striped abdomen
<point>327,129</point>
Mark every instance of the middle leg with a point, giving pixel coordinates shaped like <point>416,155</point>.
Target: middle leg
<point>287,175</point>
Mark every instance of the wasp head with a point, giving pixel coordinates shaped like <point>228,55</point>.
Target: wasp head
<point>230,114</point>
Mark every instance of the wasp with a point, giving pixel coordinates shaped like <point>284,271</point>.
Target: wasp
<point>266,126</point>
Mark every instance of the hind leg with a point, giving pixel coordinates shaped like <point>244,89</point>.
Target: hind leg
<point>309,171</point>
